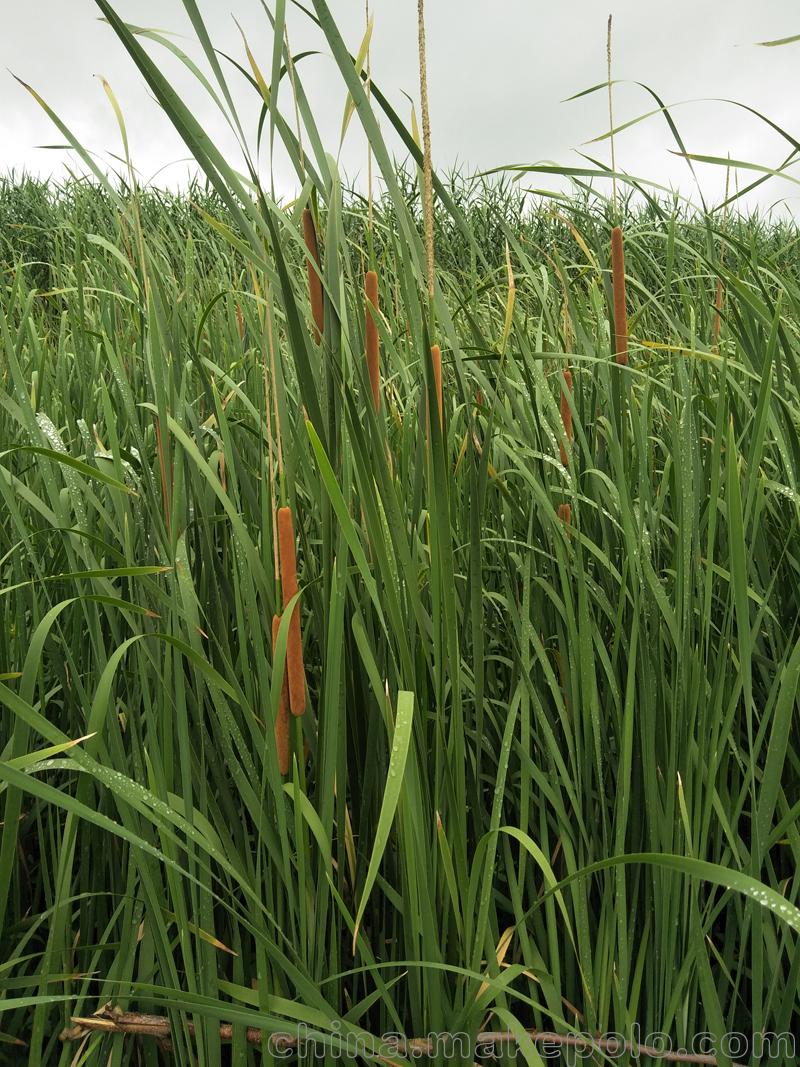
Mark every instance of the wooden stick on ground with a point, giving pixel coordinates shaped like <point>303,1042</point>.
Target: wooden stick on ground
<point>113,1021</point>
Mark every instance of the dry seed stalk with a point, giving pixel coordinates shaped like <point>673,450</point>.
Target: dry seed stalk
<point>427,166</point>
<point>373,340</point>
<point>370,210</point>
<point>620,300</point>
<point>282,721</point>
<point>314,279</point>
<point>289,587</point>
<point>611,114</point>
<point>566,415</point>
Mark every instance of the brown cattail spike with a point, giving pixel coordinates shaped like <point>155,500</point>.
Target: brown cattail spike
<point>294,644</point>
<point>373,341</point>
<point>436,359</point>
<point>566,415</point>
<point>565,513</point>
<point>314,279</point>
<point>620,302</point>
<point>282,721</point>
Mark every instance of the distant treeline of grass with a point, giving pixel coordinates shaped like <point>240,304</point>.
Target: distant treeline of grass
<point>39,219</point>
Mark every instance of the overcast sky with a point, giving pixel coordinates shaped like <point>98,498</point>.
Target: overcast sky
<point>499,71</point>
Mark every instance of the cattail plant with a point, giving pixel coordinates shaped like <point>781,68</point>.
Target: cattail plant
<point>436,359</point>
<point>289,587</point>
<point>566,415</point>
<point>373,341</point>
<point>223,478</point>
<point>620,301</point>
<point>718,302</point>
<point>282,721</point>
<point>565,513</point>
<point>314,279</point>
<point>719,296</point>
<point>165,494</point>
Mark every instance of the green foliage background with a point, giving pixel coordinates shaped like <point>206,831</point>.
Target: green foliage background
<point>549,773</point>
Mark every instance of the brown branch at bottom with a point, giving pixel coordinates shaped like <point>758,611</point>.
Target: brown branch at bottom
<point>114,1021</point>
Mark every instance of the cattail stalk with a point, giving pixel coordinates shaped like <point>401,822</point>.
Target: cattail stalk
<point>611,113</point>
<point>282,722</point>
<point>567,325</point>
<point>373,340</point>
<point>298,127</point>
<point>620,300</point>
<point>436,360</point>
<point>719,298</point>
<point>162,470</point>
<point>314,278</point>
<point>718,302</point>
<point>289,587</point>
<point>370,208</point>
<point>566,415</point>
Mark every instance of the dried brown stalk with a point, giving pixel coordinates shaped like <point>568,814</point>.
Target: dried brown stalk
<point>113,1021</point>
<point>427,165</point>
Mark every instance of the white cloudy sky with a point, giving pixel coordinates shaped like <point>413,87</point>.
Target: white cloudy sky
<point>499,73</point>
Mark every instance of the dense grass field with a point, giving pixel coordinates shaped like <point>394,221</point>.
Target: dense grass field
<point>547,773</point>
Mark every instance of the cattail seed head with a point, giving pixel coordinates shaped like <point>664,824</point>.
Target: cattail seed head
<point>282,721</point>
<point>566,415</point>
<point>289,587</point>
<point>314,279</point>
<point>565,513</point>
<point>373,340</point>
<point>620,300</point>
